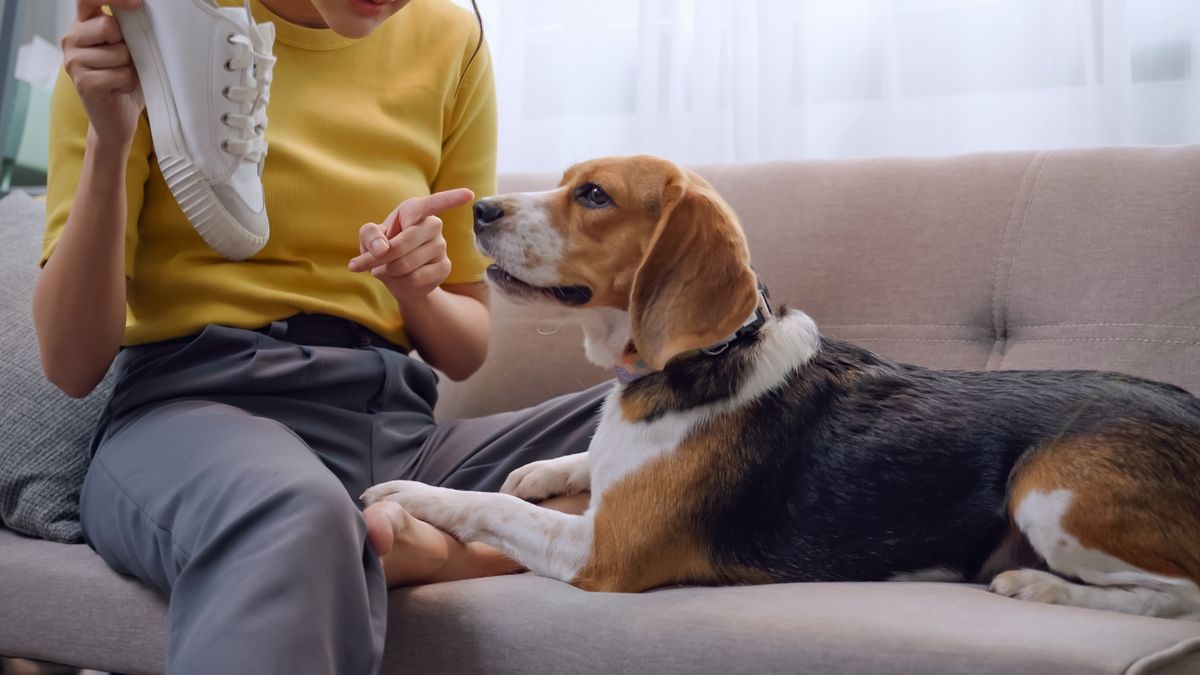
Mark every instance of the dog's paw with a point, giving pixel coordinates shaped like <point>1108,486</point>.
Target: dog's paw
<point>441,507</point>
<point>549,478</point>
<point>379,492</point>
<point>1031,585</point>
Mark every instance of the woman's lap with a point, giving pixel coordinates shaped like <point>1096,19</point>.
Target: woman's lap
<point>201,432</point>
<point>226,473</point>
<point>234,412</point>
<point>364,413</point>
<point>163,486</point>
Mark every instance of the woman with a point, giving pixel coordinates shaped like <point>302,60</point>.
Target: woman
<point>254,400</point>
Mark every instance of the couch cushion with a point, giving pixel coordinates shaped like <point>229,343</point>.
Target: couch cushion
<point>1065,259</point>
<point>61,603</point>
<point>529,625</point>
<point>44,447</point>
<point>1103,268</point>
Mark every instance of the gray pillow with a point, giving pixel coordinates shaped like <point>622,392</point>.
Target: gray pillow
<point>45,436</point>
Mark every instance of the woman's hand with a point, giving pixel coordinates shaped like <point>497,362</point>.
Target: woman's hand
<point>449,326</point>
<point>408,253</point>
<point>99,64</point>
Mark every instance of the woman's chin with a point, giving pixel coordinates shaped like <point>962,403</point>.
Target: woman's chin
<point>358,18</point>
<point>355,27</point>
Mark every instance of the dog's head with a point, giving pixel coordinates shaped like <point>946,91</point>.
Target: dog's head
<point>640,237</point>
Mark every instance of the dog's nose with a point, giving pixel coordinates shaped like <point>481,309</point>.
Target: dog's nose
<point>486,213</point>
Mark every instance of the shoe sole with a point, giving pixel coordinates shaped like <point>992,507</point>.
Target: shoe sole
<point>187,183</point>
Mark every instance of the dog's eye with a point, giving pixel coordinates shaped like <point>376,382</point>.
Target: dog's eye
<point>593,196</point>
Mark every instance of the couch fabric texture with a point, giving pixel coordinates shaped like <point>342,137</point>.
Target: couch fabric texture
<point>1065,259</point>
<point>46,435</point>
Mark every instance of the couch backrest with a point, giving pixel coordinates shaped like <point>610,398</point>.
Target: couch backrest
<point>1065,259</point>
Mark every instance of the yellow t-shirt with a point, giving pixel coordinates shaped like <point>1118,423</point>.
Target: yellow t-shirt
<point>356,127</point>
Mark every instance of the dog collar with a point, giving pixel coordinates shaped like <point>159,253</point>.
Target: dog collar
<point>632,367</point>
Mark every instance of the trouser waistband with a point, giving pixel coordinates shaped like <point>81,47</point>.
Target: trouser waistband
<point>321,330</point>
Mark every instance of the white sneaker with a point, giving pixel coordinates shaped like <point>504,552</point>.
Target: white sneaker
<point>206,74</point>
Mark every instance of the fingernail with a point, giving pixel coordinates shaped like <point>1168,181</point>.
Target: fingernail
<point>379,247</point>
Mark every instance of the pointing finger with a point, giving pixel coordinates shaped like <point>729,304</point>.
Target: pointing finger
<point>414,211</point>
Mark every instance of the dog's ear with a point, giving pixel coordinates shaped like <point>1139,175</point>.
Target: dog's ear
<point>694,286</point>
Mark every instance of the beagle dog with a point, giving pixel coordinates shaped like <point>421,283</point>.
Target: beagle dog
<point>741,446</point>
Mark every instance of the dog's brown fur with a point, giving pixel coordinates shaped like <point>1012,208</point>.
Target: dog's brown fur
<point>1135,487</point>
<point>649,528</point>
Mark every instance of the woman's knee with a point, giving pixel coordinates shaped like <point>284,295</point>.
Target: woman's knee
<point>317,506</point>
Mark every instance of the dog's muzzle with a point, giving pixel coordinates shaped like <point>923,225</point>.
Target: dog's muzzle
<point>486,214</point>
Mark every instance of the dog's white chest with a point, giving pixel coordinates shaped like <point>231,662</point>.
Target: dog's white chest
<point>621,447</point>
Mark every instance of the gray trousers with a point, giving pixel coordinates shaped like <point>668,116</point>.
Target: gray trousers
<point>226,474</point>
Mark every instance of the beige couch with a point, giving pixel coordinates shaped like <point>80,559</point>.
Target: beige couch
<point>1087,259</point>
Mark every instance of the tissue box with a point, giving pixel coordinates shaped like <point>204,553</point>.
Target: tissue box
<point>26,142</point>
<point>33,151</point>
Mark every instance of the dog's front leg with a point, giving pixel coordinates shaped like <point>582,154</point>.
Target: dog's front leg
<point>548,543</point>
<point>538,481</point>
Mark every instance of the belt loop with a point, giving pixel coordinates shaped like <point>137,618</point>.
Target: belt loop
<point>278,330</point>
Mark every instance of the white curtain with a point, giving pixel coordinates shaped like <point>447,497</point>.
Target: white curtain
<point>708,81</point>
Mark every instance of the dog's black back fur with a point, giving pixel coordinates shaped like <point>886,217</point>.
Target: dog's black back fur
<point>859,468</point>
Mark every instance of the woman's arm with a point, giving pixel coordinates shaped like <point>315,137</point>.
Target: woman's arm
<point>450,327</point>
<point>79,299</point>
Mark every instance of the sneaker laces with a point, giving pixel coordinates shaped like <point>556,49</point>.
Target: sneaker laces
<point>251,55</point>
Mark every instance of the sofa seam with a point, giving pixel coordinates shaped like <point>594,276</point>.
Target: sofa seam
<point>1102,325</point>
<point>1193,343</point>
<point>1026,192</point>
<point>1004,244</point>
<point>902,325</point>
<point>1150,663</point>
<point>1012,262</point>
<point>1028,325</point>
<point>890,339</point>
<point>1023,341</point>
